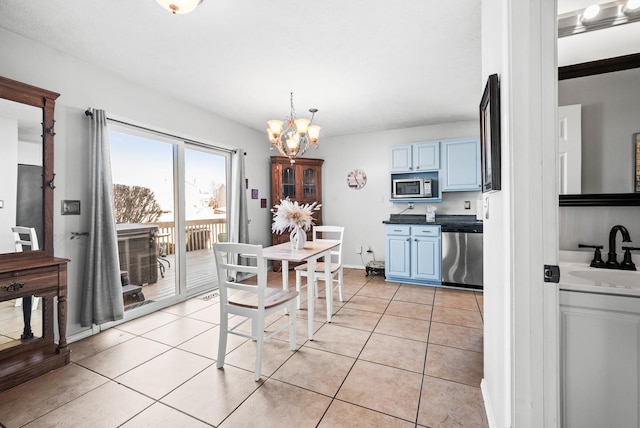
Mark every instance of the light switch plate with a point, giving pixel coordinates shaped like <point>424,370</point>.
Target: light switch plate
<point>70,208</point>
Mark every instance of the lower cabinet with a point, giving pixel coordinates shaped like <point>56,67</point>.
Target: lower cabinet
<point>599,360</point>
<point>413,253</point>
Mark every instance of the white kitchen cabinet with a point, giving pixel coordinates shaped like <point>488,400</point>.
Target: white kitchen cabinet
<point>413,253</point>
<point>600,360</point>
<point>415,157</point>
<point>460,165</point>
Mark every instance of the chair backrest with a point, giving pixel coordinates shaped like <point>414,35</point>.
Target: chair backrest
<point>31,240</point>
<point>227,254</point>
<point>330,234</point>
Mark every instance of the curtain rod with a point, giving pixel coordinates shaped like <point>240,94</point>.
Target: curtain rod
<point>89,113</point>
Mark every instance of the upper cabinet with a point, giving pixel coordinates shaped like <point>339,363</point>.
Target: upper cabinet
<point>448,165</point>
<point>416,157</point>
<point>460,165</point>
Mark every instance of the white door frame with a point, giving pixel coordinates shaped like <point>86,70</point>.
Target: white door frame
<point>532,67</point>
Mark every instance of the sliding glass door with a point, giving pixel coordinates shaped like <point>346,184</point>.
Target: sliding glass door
<point>205,197</point>
<point>170,207</point>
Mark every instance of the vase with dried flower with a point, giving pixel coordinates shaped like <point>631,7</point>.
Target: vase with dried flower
<point>296,218</point>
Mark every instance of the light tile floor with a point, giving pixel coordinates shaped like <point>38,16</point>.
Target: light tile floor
<point>395,355</point>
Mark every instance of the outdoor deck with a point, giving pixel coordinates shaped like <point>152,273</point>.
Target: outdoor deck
<point>201,270</point>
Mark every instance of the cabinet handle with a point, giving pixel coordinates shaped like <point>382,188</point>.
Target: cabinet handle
<point>14,286</point>
<point>408,239</point>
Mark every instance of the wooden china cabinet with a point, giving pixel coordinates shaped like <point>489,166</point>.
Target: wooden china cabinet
<point>300,181</point>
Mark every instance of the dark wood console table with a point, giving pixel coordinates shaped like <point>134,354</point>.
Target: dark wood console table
<point>23,275</point>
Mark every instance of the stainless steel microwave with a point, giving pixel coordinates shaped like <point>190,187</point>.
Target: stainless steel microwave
<point>412,188</point>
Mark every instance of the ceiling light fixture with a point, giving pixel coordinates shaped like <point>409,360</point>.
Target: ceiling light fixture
<point>293,136</point>
<point>179,6</point>
<point>599,17</point>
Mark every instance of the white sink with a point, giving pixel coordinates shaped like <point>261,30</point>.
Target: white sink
<point>610,276</point>
<point>581,276</point>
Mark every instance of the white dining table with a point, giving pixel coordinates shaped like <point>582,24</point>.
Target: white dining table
<point>310,254</point>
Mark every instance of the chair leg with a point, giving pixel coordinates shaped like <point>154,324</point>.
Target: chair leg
<point>328,291</point>
<point>222,339</point>
<point>292,327</point>
<point>298,288</point>
<point>340,282</point>
<point>259,335</point>
<point>315,285</point>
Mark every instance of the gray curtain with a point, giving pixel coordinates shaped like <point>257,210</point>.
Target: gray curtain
<point>238,216</point>
<point>102,299</point>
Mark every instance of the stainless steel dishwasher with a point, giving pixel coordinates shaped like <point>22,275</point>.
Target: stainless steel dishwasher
<point>462,255</point>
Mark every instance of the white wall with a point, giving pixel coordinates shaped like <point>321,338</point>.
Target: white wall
<point>82,85</point>
<point>8,183</point>
<point>520,311</point>
<point>362,211</point>
<point>496,383</point>
<point>591,225</point>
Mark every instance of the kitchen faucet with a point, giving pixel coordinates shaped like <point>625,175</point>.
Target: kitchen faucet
<point>612,262</point>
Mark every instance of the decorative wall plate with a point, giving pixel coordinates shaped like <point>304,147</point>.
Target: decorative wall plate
<point>356,179</point>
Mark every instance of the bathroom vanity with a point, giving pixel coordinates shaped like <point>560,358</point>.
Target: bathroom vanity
<point>600,346</point>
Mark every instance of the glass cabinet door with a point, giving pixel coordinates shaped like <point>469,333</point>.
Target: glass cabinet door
<point>309,184</point>
<point>288,183</point>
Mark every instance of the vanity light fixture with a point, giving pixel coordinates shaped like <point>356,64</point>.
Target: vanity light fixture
<point>631,7</point>
<point>179,6</point>
<point>590,14</point>
<point>598,17</point>
<point>292,137</point>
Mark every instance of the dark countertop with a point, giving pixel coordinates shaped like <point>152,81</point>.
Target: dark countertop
<point>448,223</point>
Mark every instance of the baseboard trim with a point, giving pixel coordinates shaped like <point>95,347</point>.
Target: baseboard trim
<point>353,266</point>
<point>487,404</point>
<point>95,329</point>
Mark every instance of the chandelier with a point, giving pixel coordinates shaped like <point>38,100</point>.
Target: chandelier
<point>179,6</point>
<point>293,136</point>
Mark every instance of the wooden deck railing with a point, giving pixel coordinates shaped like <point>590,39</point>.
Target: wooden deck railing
<point>201,234</point>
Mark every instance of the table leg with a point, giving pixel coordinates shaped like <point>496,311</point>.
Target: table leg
<point>311,269</point>
<point>285,274</point>
<point>285,278</point>
<point>328,284</point>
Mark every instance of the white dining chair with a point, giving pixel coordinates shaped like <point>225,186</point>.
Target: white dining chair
<point>25,237</point>
<point>250,302</point>
<point>325,234</point>
<point>31,240</point>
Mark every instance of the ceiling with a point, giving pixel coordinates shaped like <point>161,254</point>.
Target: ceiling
<point>366,65</point>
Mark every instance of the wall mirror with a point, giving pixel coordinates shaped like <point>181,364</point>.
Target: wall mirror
<point>22,166</point>
<point>27,115</point>
<point>608,93</point>
<point>26,197</point>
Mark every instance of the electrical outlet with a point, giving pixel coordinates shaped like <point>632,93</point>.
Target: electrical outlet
<point>410,205</point>
<point>358,249</point>
<point>369,250</point>
<point>467,205</point>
